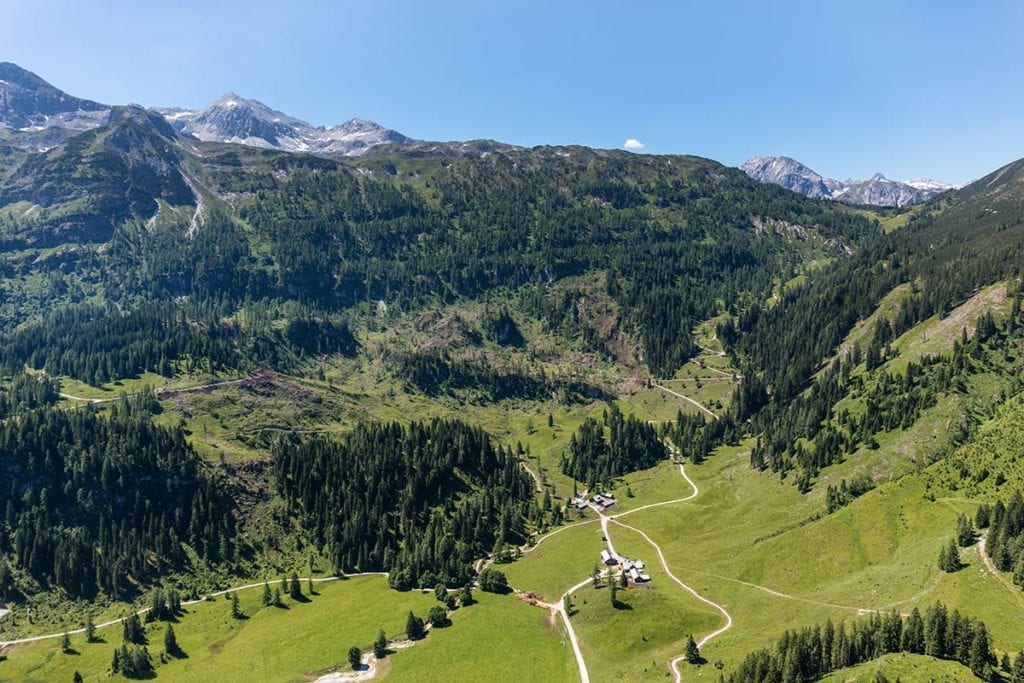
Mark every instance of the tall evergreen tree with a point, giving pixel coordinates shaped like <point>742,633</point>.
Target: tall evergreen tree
<point>380,645</point>
<point>692,651</point>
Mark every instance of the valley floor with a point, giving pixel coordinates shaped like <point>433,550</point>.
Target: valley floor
<point>735,557</point>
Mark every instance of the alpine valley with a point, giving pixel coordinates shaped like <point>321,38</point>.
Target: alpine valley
<point>286,402</point>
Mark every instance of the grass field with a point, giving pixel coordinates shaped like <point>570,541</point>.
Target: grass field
<point>748,530</point>
<point>303,639</point>
<point>904,667</point>
<point>272,644</point>
<point>635,639</point>
<point>558,562</point>
<point>501,638</point>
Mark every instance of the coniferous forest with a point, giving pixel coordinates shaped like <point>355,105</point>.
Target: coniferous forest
<point>103,503</point>
<point>420,501</point>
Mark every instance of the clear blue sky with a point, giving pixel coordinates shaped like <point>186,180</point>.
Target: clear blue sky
<point>907,88</point>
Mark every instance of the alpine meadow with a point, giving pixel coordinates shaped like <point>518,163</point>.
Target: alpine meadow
<point>282,401</point>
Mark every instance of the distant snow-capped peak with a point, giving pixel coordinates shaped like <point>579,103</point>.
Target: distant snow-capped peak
<point>232,118</point>
<point>877,190</point>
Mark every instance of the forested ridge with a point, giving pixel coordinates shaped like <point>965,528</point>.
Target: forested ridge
<point>420,501</point>
<point>103,503</point>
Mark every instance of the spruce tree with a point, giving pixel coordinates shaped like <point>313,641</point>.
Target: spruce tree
<point>380,646</point>
<point>1018,669</point>
<point>236,612</point>
<point>413,627</point>
<point>295,589</point>
<point>170,642</point>
<point>65,643</point>
<point>692,651</point>
<point>267,598</point>
<point>355,657</point>
<point>90,630</point>
<point>979,657</point>
<point>466,596</point>
<point>964,531</point>
<point>77,678</point>
<point>613,593</point>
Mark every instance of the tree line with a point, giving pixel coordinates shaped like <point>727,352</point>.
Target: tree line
<point>813,652</point>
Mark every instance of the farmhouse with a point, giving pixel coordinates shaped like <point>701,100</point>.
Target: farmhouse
<point>607,558</point>
<point>635,570</point>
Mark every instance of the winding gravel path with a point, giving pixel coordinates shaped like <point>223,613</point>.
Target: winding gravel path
<point>685,398</point>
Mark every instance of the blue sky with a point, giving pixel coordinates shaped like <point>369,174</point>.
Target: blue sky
<point>907,88</point>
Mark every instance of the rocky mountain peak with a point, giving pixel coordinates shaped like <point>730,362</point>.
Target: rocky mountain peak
<point>29,102</point>
<point>877,190</point>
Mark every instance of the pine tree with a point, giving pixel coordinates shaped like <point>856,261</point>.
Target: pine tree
<point>692,651</point>
<point>979,656</point>
<point>413,627</point>
<point>949,557</point>
<point>171,642</point>
<point>964,531</point>
<point>913,633</point>
<point>380,646</point>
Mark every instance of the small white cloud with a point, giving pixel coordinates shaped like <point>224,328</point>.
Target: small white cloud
<point>633,143</point>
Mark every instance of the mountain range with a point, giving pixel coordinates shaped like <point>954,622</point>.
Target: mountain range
<point>36,116</point>
<point>875,191</point>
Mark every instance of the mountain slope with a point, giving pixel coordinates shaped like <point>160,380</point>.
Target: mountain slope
<point>27,101</point>
<point>790,174</point>
<point>97,180</point>
<point>876,191</point>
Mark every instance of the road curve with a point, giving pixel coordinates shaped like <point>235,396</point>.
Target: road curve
<point>685,398</point>
<point>559,608</point>
<point>674,664</point>
<point>693,495</point>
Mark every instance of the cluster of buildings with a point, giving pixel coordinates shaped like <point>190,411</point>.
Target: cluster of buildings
<point>601,501</point>
<point>634,569</point>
